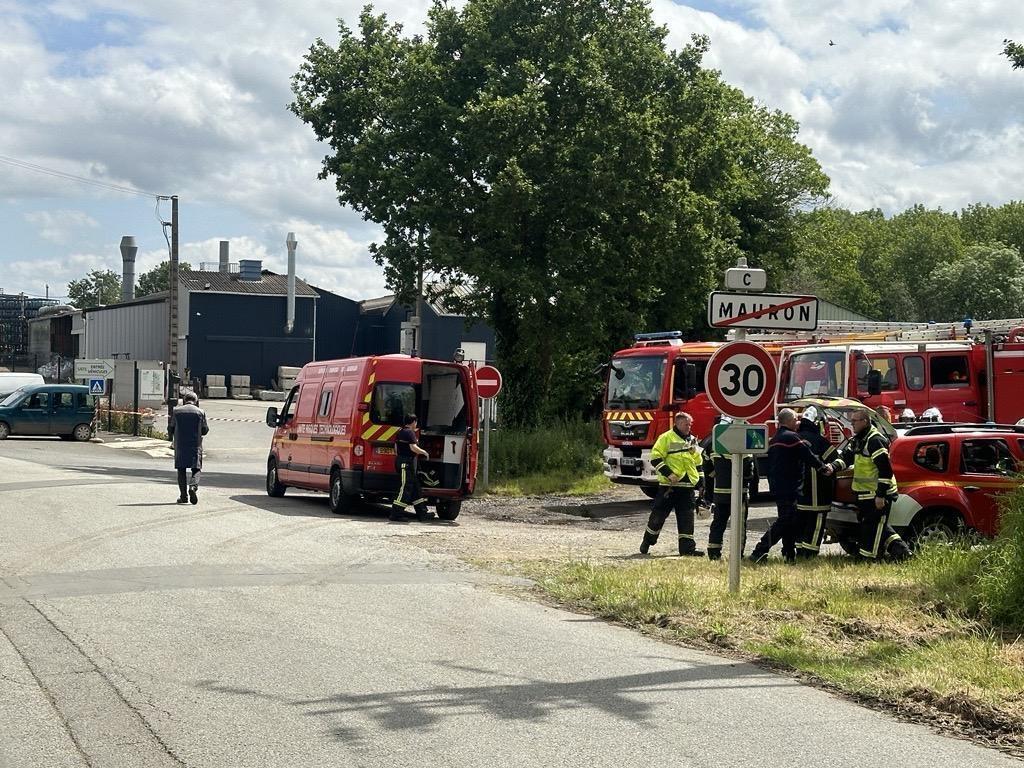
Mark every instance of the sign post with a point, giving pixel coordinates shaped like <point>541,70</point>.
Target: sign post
<point>740,379</point>
<point>488,385</point>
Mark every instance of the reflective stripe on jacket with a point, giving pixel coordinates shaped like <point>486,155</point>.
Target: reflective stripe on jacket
<point>872,472</point>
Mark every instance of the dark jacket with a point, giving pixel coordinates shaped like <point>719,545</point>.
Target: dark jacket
<point>817,490</point>
<point>787,455</point>
<point>718,473</point>
<point>187,427</point>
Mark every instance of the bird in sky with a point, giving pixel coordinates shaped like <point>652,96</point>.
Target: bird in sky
<point>831,43</point>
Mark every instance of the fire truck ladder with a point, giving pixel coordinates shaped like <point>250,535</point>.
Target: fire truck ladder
<point>870,330</point>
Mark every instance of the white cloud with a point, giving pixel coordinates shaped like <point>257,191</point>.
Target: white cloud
<point>60,226</point>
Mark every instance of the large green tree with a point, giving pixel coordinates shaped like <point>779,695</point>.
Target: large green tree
<point>101,286</point>
<point>156,279</point>
<point>582,180</point>
<point>987,282</point>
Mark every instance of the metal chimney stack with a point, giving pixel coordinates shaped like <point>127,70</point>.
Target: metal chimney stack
<point>292,243</point>
<point>225,257</point>
<point>129,250</point>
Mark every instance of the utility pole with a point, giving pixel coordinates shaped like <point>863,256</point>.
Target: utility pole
<point>172,285</point>
<point>417,328</point>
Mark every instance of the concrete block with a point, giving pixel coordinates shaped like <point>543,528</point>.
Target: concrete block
<point>287,371</point>
<point>215,380</point>
<point>216,392</point>
<point>271,395</point>
<point>239,381</point>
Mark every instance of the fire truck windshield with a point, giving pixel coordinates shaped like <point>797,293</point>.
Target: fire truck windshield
<point>816,373</point>
<point>635,382</point>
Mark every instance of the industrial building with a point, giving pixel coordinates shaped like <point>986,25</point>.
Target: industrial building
<point>16,311</point>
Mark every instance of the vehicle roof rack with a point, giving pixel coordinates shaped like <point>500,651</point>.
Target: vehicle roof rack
<point>952,427</point>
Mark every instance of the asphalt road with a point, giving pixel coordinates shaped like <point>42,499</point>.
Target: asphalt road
<point>249,631</point>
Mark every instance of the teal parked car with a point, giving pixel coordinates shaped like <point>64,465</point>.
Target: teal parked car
<point>64,410</point>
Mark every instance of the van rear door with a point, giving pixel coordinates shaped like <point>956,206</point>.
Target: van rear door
<point>447,429</point>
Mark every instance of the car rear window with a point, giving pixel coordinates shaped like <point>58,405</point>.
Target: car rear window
<point>932,456</point>
<point>986,456</point>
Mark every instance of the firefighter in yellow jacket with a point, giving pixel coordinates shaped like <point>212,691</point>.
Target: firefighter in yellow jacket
<point>676,457</point>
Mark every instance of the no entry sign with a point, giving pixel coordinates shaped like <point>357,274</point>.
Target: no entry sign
<point>740,380</point>
<point>488,381</point>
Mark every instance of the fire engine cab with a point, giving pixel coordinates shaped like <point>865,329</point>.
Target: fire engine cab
<point>337,430</point>
<point>648,382</point>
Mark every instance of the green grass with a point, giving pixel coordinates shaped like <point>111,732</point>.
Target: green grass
<point>909,635</point>
<point>560,457</point>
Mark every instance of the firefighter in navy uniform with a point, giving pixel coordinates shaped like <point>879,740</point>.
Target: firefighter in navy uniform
<point>407,449</point>
<point>815,499</point>
<point>676,457</point>
<point>874,486</point>
<point>787,456</point>
<point>718,476</point>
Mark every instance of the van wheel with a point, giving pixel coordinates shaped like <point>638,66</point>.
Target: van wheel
<point>448,509</point>
<point>341,502</point>
<point>82,433</point>
<point>5,430</point>
<point>275,487</point>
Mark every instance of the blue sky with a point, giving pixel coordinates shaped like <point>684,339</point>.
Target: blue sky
<point>913,104</point>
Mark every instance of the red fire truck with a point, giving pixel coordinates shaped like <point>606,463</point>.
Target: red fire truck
<point>337,430</point>
<point>648,382</point>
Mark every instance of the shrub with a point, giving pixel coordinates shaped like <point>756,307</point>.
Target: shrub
<point>1001,581</point>
<point>572,447</point>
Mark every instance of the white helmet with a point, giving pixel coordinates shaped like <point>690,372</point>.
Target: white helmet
<point>1020,422</point>
<point>932,414</point>
<point>907,414</point>
<point>723,419</point>
<point>811,413</point>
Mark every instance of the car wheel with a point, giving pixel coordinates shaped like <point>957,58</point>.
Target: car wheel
<point>5,430</point>
<point>275,487</point>
<point>649,492</point>
<point>448,509</point>
<point>82,433</point>
<point>934,528</point>
<point>341,502</point>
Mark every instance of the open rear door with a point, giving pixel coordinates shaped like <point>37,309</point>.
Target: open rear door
<point>448,419</point>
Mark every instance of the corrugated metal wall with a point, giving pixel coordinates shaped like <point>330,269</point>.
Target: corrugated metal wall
<point>829,311</point>
<point>138,330</point>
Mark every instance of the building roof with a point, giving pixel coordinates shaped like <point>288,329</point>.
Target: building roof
<point>149,298</point>
<point>437,303</point>
<point>216,282</point>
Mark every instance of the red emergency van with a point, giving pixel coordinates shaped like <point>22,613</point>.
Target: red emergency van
<point>336,431</point>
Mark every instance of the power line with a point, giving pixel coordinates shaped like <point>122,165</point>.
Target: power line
<point>25,165</point>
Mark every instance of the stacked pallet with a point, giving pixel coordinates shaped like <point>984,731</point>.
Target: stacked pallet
<point>215,386</point>
<point>240,388</point>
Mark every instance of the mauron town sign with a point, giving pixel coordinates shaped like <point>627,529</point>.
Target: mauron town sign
<point>768,311</point>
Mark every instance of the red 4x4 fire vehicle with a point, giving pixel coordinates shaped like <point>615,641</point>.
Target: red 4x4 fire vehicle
<point>950,477</point>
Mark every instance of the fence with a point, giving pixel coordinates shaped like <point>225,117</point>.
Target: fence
<point>127,422</point>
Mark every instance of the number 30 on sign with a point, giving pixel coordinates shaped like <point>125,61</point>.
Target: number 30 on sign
<point>741,379</point>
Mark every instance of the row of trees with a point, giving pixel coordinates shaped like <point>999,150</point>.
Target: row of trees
<point>103,286</point>
<point>922,264</point>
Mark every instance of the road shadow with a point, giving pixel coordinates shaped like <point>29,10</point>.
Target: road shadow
<point>211,479</point>
<point>296,505</point>
<point>602,510</point>
<point>517,698</point>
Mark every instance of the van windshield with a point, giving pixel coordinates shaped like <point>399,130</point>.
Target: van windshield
<point>14,397</point>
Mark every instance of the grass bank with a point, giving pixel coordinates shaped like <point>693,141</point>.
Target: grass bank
<point>562,457</point>
<point>938,638</point>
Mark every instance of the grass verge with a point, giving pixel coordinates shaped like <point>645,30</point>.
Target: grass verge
<point>560,457</point>
<point>543,483</point>
<point>896,635</point>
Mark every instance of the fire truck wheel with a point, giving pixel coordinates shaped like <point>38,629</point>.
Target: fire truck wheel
<point>649,492</point>
<point>448,509</point>
<point>341,502</point>
<point>275,487</point>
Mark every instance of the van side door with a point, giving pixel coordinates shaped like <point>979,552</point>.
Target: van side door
<point>34,415</point>
<point>321,438</point>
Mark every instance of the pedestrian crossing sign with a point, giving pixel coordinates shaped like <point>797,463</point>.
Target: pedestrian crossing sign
<point>97,386</point>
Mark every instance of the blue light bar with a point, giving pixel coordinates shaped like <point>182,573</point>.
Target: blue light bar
<point>658,336</point>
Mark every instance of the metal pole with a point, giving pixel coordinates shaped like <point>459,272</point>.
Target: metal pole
<point>487,442</point>
<point>990,375</point>
<point>172,289</point>
<point>736,532</point>
<point>135,399</point>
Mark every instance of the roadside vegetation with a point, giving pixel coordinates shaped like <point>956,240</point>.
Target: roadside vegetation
<point>559,457</point>
<point>939,637</point>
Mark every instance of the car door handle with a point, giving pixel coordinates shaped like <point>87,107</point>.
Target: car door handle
<point>971,488</point>
<point>970,402</point>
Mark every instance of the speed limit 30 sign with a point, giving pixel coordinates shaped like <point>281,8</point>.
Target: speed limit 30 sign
<point>740,380</point>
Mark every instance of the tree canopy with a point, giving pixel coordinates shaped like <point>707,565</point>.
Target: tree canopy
<point>1014,52</point>
<point>156,279</point>
<point>581,179</point>
<point>101,286</point>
